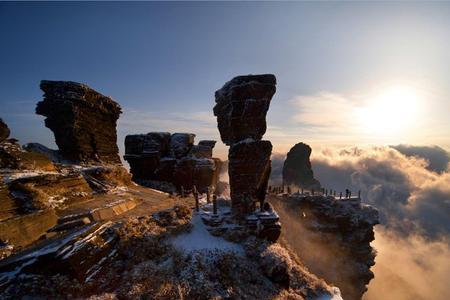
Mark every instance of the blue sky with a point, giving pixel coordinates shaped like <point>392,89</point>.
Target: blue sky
<point>163,61</point>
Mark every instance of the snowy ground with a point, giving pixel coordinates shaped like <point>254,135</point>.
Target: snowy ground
<point>200,239</point>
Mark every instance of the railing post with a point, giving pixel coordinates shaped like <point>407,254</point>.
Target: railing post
<point>197,205</point>
<point>340,195</point>
<point>215,204</point>
<point>182,191</point>
<point>208,195</point>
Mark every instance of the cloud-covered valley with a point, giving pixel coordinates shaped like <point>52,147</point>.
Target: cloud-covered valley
<point>410,186</point>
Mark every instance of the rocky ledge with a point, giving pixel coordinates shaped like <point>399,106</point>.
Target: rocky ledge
<point>332,238</point>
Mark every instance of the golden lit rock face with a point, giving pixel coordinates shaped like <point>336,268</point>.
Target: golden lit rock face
<point>241,107</point>
<point>82,120</point>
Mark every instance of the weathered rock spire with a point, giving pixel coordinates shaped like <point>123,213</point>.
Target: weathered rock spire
<point>297,169</point>
<point>241,107</point>
<point>82,120</point>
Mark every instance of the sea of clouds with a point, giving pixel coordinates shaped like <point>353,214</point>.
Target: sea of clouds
<point>410,186</point>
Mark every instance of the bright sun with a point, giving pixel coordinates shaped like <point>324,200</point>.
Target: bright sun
<point>391,112</point>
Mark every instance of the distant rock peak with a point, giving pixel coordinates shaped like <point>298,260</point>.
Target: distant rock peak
<point>297,169</point>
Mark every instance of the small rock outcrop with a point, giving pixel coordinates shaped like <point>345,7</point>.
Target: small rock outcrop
<point>12,156</point>
<point>241,107</point>
<point>171,161</point>
<point>297,169</point>
<point>82,120</point>
<point>4,131</point>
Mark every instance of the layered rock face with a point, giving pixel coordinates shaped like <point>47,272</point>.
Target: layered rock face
<point>12,156</point>
<point>82,120</point>
<point>241,107</point>
<point>162,160</point>
<point>332,237</point>
<point>249,171</point>
<point>297,170</point>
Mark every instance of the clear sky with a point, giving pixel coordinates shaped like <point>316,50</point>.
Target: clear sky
<point>348,73</point>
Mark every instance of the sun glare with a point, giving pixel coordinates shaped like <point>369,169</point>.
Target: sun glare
<point>391,112</point>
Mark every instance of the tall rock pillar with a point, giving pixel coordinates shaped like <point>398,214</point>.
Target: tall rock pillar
<point>241,108</point>
<point>82,120</point>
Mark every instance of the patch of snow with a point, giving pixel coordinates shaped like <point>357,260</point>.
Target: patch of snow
<point>56,201</point>
<point>335,295</point>
<point>10,175</point>
<point>98,266</point>
<point>30,258</point>
<point>200,239</point>
<point>68,251</point>
<point>245,141</point>
<point>118,190</point>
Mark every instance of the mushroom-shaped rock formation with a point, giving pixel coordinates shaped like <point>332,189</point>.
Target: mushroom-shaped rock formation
<point>241,107</point>
<point>297,168</point>
<point>82,120</point>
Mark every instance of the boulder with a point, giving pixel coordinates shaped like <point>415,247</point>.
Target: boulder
<point>144,151</point>
<point>204,174</point>
<point>241,107</point>
<point>249,170</point>
<point>184,173</point>
<point>181,144</point>
<point>204,149</point>
<point>82,120</point>
<point>4,131</point>
<point>297,168</point>
<point>153,142</point>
